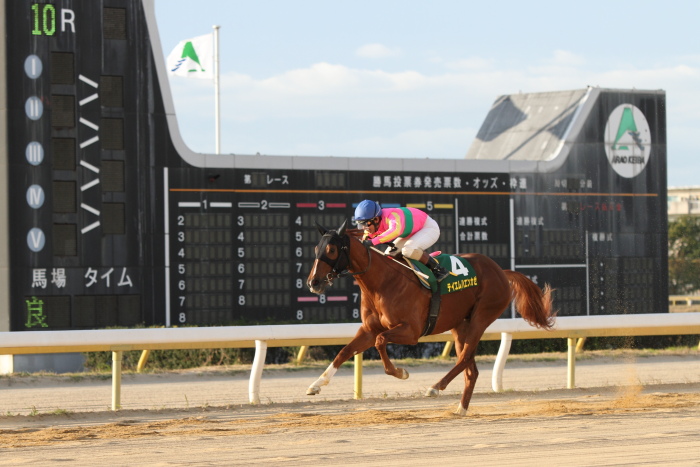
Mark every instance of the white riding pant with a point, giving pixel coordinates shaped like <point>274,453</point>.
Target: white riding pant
<point>413,246</point>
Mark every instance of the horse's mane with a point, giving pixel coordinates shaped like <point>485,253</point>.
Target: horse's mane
<point>354,233</point>
<point>396,267</point>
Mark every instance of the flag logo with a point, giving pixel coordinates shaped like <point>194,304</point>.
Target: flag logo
<point>627,140</point>
<point>193,58</point>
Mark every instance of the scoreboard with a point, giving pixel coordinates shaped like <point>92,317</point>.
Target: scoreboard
<point>241,250</point>
<point>110,220</point>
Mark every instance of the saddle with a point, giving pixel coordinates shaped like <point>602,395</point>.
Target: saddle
<point>462,275</point>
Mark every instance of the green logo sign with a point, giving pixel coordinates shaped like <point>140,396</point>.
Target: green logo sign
<point>627,140</point>
<point>189,52</point>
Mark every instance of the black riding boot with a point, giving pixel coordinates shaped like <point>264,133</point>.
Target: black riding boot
<point>439,272</point>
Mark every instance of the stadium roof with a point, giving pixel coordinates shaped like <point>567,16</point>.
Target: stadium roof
<point>530,127</point>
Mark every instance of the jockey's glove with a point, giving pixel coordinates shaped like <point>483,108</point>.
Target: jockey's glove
<point>367,242</point>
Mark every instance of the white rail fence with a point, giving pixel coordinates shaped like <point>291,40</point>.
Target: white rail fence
<point>260,337</point>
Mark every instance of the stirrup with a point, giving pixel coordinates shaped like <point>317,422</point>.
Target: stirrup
<point>440,273</point>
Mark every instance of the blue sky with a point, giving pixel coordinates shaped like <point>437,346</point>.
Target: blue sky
<point>416,79</point>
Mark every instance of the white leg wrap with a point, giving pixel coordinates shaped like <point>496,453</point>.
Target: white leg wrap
<point>461,410</point>
<point>325,378</point>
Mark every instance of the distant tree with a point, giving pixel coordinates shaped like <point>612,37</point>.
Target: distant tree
<point>684,255</point>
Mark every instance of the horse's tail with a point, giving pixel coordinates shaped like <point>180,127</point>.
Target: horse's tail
<point>531,302</point>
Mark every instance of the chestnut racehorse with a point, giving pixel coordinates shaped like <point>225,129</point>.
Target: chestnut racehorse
<point>395,306</point>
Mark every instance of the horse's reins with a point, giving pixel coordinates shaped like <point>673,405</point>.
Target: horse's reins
<point>337,272</point>
<point>384,253</point>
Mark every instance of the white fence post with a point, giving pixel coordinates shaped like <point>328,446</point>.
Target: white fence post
<point>500,363</point>
<point>256,372</point>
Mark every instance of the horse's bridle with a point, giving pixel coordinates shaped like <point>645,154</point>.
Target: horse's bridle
<point>338,268</point>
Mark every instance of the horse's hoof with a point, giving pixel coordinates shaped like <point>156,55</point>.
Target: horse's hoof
<point>461,411</point>
<point>402,374</point>
<point>313,390</point>
<point>432,392</point>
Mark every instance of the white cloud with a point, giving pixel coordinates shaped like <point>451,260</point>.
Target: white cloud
<point>335,109</point>
<point>325,89</point>
<point>566,58</point>
<point>440,143</point>
<point>377,51</point>
<point>695,59</point>
<point>471,63</point>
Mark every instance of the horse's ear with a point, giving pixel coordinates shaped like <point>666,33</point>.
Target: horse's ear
<point>322,230</point>
<point>341,230</point>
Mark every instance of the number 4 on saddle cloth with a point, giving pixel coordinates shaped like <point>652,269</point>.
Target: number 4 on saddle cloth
<point>462,277</point>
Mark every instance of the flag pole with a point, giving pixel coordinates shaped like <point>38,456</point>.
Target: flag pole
<point>217,110</point>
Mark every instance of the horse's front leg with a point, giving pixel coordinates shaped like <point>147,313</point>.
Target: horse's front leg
<point>401,334</point>
<point>362,341</point>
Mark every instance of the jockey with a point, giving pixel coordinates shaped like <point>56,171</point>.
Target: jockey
<point>410,229</point>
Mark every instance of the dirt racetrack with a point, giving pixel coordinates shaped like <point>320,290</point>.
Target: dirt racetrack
<point>625,411</point>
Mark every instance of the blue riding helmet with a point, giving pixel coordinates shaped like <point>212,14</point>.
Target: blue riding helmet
<point>367,210</point>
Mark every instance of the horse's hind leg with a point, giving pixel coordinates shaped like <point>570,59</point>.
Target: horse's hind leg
<point>467,336</point>
<point>470,376</point>
<point>362,341</point>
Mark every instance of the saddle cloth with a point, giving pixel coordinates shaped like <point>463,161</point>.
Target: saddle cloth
<point>464,274</point>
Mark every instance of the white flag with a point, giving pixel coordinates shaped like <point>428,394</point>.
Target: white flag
<point>193,57</point>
